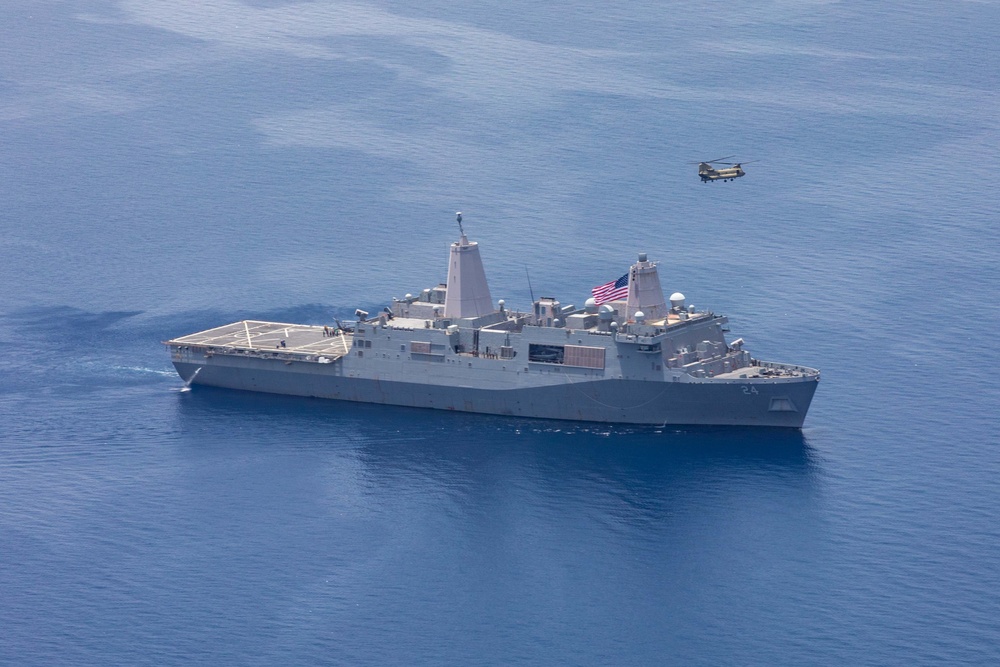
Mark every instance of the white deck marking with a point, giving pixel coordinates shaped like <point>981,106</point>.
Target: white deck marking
<point>299,339</point>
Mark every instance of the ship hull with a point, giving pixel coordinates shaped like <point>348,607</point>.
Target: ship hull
<point>777,402</point>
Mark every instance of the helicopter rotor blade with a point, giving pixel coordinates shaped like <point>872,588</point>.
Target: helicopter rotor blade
<point>711,161</point>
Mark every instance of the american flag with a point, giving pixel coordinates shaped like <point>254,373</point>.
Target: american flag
<point>612,291</point>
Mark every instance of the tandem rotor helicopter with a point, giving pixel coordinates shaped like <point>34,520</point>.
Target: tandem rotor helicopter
<point>709,173</point>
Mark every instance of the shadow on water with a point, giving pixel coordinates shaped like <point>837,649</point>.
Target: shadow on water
<point>459,452</point>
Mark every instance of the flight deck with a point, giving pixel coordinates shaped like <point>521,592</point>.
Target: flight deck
<point>256,337</point>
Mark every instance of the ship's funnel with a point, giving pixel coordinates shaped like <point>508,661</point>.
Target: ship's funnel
<point>644,291</point>
<point>468,294</point>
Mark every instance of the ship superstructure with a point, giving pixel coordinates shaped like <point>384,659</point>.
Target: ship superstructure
<point>638,360</point>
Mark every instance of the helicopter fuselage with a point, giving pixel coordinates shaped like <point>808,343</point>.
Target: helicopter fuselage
<point>711,174</point>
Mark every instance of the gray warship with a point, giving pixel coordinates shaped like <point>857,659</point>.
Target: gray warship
<point>627,357</point>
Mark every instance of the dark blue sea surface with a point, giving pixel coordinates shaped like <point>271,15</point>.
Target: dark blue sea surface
<point>168,166</point>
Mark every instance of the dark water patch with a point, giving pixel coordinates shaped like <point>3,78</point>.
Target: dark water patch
<point>66,322</point>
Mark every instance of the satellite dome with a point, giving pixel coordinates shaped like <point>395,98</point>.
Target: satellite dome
<point>590,305</point>
<point>640,317</point>
<point>606,312</point>
<point>677,300</point>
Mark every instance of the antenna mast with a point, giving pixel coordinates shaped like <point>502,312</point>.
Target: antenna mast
<point>458,216</point>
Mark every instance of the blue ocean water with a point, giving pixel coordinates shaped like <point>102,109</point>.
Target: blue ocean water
<point>167,166</point>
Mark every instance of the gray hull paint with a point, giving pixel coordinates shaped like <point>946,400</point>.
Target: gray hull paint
<point>631,360</point>
<point>691,402</point>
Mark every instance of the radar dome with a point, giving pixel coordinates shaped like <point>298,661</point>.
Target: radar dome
<point>606,312</point>
<point>640,317</point>
<point>590,305</point>
<point>677,300</point>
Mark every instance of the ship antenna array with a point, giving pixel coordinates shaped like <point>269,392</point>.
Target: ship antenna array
<point>458,216</point>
